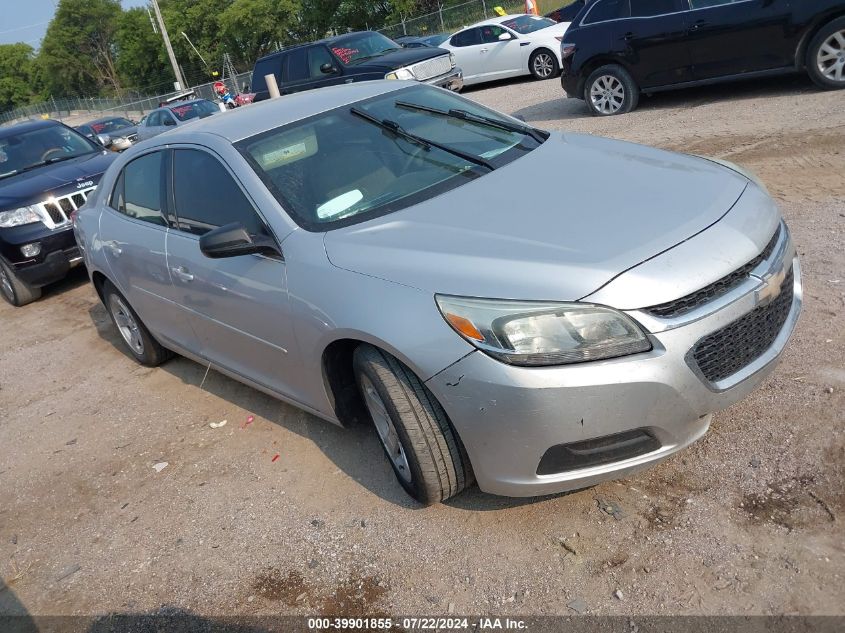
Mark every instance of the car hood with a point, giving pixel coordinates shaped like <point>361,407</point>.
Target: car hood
<point>399,58</point>
<point>31,186</point>
<point>556,224</point>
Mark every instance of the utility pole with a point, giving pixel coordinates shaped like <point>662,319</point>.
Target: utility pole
<point>176,70</point>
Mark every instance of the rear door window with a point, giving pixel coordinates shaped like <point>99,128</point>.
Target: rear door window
<point>470,37</point>
<point>296,65</point>
<point>207,196</point>
<point>605,10</point>
<point>138,191</point>
<point>650,8</point>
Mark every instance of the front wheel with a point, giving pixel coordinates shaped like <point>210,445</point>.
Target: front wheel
<point>14,289</point>
<point>826,56</point>
<point>543,64</point>
<point>424,451</point>
<point>611,90</point>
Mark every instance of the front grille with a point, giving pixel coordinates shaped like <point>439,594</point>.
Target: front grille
<point>740,343</point>
<point>431,68</point>
<point>690,302</point>
<point>132,138</point>
<point>59,208</point>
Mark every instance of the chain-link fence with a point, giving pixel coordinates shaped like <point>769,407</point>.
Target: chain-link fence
<point>453,18</point>
<point>128,106</point>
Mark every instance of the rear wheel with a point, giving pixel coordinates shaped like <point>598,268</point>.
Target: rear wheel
<point>611,90</point>
<point>15,290</point>
<point>140,343</point>
<point>543,64</point>
<point>826,56</point>
<point>424,451</point>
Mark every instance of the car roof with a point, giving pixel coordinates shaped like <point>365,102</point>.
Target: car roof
<point>498,19</point>
<point>244,122</point>
<point>27,126</point>
<point>104,119</point>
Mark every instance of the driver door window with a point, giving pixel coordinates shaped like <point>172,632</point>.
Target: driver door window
<point>207,196</point>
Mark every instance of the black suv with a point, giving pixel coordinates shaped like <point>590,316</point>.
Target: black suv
<point>616,49</point>
<point>360,56</point>
<point>47,170</point>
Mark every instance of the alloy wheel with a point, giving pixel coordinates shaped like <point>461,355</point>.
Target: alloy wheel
<point>607,94</point>
<point>543,65</point>
<point>385,429</point>
<point>831,57</point>
<point>126,324</point>
<point>6,285</point>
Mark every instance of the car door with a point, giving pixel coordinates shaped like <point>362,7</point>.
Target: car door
<point>466,46</point>
<point>154,124</point>
<point>500,58</point>
<point>729,37</point>
<point>653,42</point>
<point>320,60</point>
<point>238,305</point>
<point>133,230</point>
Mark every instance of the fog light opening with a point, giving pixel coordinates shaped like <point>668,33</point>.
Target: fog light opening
<point>31,250</point>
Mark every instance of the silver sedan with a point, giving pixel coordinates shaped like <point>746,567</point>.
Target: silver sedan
<point>536,311</point>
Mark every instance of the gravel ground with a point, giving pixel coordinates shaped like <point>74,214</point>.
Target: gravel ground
<point>747,521</point>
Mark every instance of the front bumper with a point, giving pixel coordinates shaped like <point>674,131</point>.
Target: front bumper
<point>59,253</point>
<point>508,417</point>
<point>453,80</point>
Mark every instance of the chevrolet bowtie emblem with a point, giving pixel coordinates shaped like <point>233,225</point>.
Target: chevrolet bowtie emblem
<point>770,291</point>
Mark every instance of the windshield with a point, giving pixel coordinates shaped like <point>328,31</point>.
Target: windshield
<point>436,40</point>
<point>528,23</point>
<point>187,111</point>
<point>112,125</point>
<point>26,150</point>
<point>336,168</point>
<point>357,48</point>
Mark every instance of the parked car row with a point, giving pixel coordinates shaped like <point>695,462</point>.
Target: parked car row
<point>614,50</point>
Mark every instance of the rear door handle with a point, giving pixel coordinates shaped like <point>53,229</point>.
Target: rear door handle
<point>628,36</point>
<point>484,50</point>
<point>114,249</point>
<point>182,274</point>
<point>348,81</point>
<point>698,25</point>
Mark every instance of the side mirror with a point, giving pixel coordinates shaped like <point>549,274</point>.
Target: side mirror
<point>233,240</point>
<point>328,69</point>
<point>104,140</point>
<point>169,122</point>
<point>504,37</point>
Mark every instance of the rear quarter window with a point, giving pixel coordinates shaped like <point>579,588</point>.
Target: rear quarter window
<point>605,10</point>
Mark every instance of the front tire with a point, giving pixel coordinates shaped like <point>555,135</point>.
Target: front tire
<point>137,338</point>
<point>543,64</point>
<point>826,56</point>
<point>14,289</point>
<point>424,451</point>
<point>611,90</point>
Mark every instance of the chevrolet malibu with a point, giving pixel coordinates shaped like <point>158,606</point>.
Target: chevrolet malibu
<point>394,252</point>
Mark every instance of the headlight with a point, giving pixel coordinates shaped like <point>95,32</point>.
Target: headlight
<point>452,60</point>
<point>536,333</point>
<point>740,170</point>
<point>400,73</point>
<point>19,217</point>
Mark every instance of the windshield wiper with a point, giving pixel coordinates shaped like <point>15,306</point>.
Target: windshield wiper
<point>477,118</point>
<point>58,159</point>
<point>425,143</point>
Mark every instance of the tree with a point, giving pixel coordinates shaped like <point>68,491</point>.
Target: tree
<point>141,58</point>
<point>253,28</point>
<point>16,74</point>
<point>78,51</point>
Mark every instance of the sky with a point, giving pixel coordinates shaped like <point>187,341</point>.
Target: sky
<point>26,20</point>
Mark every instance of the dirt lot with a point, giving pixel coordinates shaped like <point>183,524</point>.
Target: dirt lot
<point>747,521</point>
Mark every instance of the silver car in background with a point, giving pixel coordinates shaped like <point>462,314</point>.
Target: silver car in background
<point>537,311</point>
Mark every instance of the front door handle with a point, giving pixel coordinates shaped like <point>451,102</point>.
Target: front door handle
<point>114,249</point>
<point>628,36</point>
<point>182,274</point>
<point>698,25</point>
<point>348,81</point>
<point>484,50</point>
